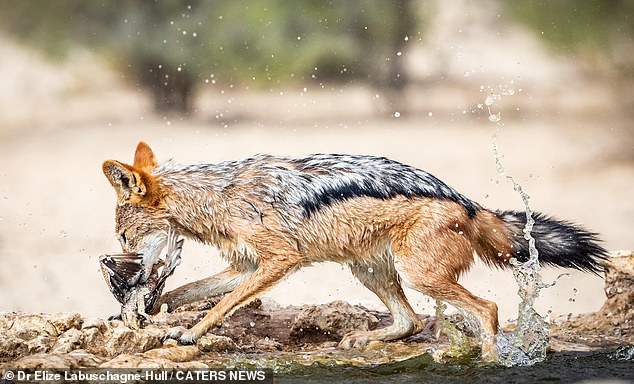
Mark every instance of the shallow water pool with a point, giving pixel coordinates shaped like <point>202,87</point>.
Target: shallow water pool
<point>562,367</point>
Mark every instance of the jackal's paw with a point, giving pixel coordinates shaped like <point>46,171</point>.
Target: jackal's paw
<point>183,335</point>
<point>354,339</point>
<point>115,316</point>
<point>174,333</point>
<point>187,338</point>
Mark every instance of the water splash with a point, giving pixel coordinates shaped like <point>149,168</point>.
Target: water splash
<point>528,343</point>
<point>461,345</point>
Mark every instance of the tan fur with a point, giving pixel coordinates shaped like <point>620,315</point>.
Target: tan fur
<point>422,242</point>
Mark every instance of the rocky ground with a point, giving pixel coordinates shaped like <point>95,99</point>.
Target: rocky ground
<point>614,322</point>
<point>265,334</point>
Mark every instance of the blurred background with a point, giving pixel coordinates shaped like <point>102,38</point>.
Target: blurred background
<point>434,84</point>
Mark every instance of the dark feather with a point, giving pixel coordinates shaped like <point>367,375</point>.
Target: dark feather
<point>122,271</point>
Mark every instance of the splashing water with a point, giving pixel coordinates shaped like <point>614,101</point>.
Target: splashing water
<point>461,346</point>
<point>526,345</point>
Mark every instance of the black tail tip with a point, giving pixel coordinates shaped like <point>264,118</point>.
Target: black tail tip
<point>571,246</point>
<point>559,243</point>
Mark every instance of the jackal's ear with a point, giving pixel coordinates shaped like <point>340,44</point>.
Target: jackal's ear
<point>144,157</point>
<point>126,180</point>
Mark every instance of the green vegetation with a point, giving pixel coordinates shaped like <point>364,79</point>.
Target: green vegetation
<point>590,29</point>
<point>171,46</point>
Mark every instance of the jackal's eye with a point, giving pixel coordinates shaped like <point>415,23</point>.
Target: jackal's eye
<point>122,236</point>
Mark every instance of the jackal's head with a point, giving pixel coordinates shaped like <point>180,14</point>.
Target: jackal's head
<point>141,221</point>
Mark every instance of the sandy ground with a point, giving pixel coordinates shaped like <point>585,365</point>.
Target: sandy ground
<point>566,139</point>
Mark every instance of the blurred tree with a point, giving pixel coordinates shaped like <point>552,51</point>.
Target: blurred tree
<point>592,29</point>
<point>171,46</point>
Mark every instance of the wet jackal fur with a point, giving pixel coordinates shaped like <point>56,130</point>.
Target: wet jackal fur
<point>390,223</point>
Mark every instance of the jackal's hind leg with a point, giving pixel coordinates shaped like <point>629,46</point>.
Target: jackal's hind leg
<point>449,291</point>
<point>383,281</point>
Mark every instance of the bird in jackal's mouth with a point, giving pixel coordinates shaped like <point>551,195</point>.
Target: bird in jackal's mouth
<point>134,289</point>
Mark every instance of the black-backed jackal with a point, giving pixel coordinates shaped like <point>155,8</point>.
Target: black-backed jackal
<point>390,223</point>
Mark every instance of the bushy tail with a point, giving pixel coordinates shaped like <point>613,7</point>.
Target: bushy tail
<point>499,236</point>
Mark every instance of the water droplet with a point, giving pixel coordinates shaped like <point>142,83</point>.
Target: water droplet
<point>494,117</point>
<point>370,270</point>
<point>489,100</point>
<point>399,53</point>
<point>252,324</point>
<point>430,114</point>
<point>397,114</point>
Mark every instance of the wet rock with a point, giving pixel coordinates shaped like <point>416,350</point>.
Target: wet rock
<point>128,361</point>
<point>614,322</point>
<point>22,334</point>
<point>69,341</point>
<point>618,309</point>
<point>268,345</point>
<point>177,354</point>
<point>84,359</point>
<point>96,323</point>
<point>214,343</point>
<point>66,320</point>
<point>125,340</point>
<point>619,274</point>
<point>94,341</point>
<point>330,322</point>
<point>186,319</point>
<point>140,361</point>
<point>27,326</point>
<point>74,359</point>
<point>43,361</point>
<point>39,344</point>
<point>122,340</point>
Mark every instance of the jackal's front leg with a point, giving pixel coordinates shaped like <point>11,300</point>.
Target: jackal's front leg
<point>267,275</point>
<point>221,283</point>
